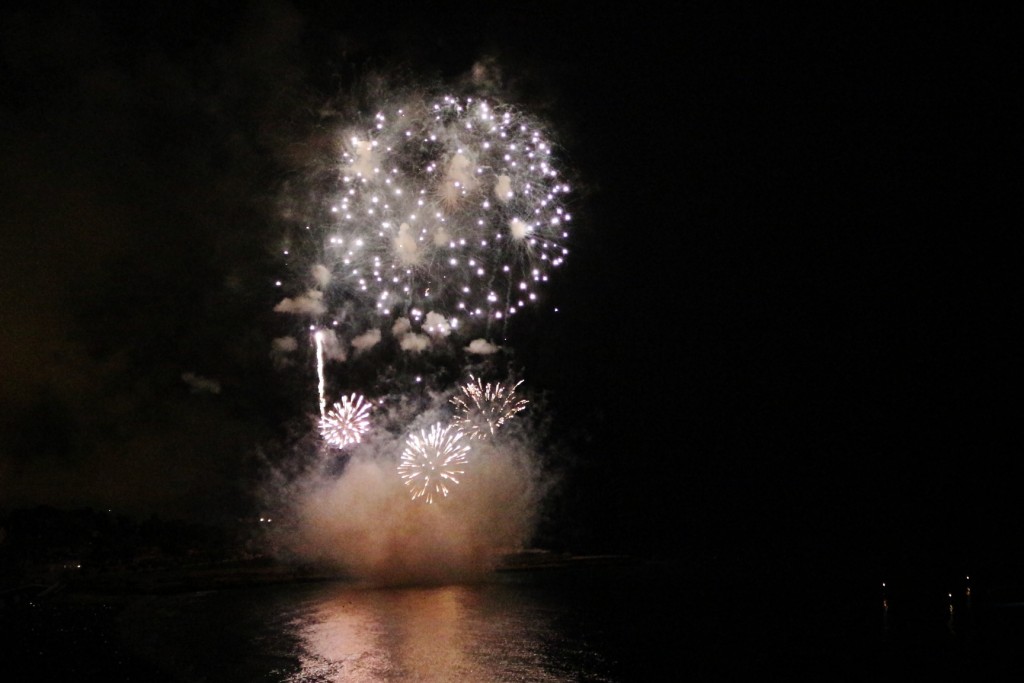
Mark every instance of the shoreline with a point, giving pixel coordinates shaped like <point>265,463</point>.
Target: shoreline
<point>243,574</point>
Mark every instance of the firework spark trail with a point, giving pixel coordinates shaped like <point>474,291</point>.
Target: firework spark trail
<point>453,205</point>
<point>432,460</point>
<point>319,337</point>
<point>482,410</point>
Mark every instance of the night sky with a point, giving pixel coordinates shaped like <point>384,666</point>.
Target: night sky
<point>786,322</point>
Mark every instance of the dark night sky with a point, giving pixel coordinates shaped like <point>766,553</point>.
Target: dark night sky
<point>786,319</point>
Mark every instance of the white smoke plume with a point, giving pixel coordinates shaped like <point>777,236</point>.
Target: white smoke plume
<point>503,189</point>
<point>401,327</point>
<point>406,249</point>
<point>364,522</point>
<point>280,348</point>
<point>311,303</point>
<point>365,341</point>
<point>482,347</point>
<point>199,384</point>
<point>321,274</point>
<point>414,342</point>
<point>282,345</point>
<point>437,325</point>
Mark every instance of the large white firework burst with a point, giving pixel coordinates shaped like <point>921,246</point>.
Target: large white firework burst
<point>346,422</point>
<point>433,461</point>
<point>482,409</point>
<point>452,205</point>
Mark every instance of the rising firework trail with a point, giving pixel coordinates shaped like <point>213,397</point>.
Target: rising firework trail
<point>433,461</point>
<point>319,337</point>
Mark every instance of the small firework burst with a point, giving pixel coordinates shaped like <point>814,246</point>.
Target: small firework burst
<point>482,409</point>
<point>346,422</point>
<point>432,461</point>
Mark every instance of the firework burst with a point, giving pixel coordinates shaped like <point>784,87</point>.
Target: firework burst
<point>346,422</point>
<point>483,409</point>
<point>452,205</point>
<point>433,461</point>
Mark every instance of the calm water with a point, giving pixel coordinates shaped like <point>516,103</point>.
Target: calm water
<point>619,622</point>
<point>552,625</point>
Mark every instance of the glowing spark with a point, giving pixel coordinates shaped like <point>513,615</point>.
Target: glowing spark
<point>432,461</point>
<point>482,409</point>
<point>346,422</point>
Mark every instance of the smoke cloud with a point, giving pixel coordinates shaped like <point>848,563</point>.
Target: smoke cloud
<point>310,303</point>
<point>482,347</point>
<point>200,385</point>
<point>437,325</point>
<point>321,274</point>
<point>364,522</point>
<point>414,342</point>
<point>367,340</point>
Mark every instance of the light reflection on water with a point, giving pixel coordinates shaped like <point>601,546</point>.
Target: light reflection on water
<point>505,629</point>
<point>447,633</point>
<point>611,624</point>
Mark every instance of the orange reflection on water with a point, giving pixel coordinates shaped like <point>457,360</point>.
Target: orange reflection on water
<point>368,634</point>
